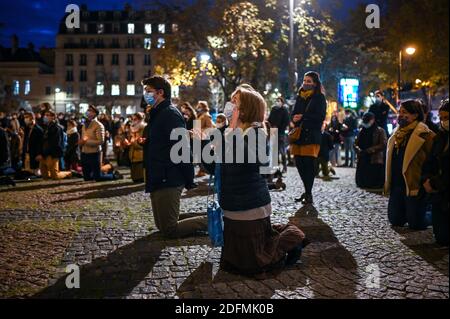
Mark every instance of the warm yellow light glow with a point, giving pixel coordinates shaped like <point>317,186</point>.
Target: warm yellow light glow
<point>410,50</point>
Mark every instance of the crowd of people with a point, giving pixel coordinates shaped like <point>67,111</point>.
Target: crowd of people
<point>411,165</point>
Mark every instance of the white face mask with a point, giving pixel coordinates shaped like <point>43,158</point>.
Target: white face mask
<point>444,125</point>
<point>220,125</point>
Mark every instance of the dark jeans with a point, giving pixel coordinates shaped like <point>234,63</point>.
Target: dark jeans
<point>349,143</point>
<point>307,169</point>
<point>404,209</point>
<point>92,168</point>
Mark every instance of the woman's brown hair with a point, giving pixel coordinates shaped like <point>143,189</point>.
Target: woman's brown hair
<point>188,106</point>
<point>204,105</point>
<point>253,107</point>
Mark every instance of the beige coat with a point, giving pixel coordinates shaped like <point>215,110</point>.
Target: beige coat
<point>95,134</point>
<point>418,149</point>
<point>206,121</point>
<point>137,150</point>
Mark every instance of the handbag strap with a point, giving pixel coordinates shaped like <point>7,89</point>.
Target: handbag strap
<point>214,185</point>
<point>306,111</point>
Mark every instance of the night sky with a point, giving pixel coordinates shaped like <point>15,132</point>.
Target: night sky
<point>38,21</point>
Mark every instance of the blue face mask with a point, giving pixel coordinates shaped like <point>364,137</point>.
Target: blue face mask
<point>308,87</point>
<point>149,98</point>
<point>367,125</point>
<point>403,122</point>
<point>45,119</point>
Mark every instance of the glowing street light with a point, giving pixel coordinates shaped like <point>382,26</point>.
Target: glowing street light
<point>204,58</point>
<point>409,51</point>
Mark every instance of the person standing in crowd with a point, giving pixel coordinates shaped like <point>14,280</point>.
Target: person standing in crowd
<point>5,158</point>
<point>206,123</point>
<point>335,129</point>
<point>136,147</point>
<point>349,129</point>
<point>21,117</point>
<point>323,161</point>
<point>309,114</point>
<point>52,149</point>
<point>166,180</point>
<point>436,178</point>
<point>428,119</point>
<point>380,109</point>
<point>3,120</point>
<point>93,137</point>
<point>72,153</point>
<point>32,144</point>
<point>40,119</point>
<point>279,118</point>
<point>15,145</point>
<point>189,114</point>
<point>251,244</point>
<point>370,145</point>
<point>204,116</point>
<point>221,122</point>
<point>121,148</point>
<point>14,123</point>
<point>103,118</point>
<point>408,148</point>
<point>62,120</point>
<point>176,103</point>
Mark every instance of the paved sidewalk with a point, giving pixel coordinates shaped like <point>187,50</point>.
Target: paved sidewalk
<point>107,229</point>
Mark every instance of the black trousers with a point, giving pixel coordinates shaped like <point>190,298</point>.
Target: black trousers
<point>307,170</point>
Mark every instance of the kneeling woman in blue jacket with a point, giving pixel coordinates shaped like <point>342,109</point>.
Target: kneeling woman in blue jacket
<point>251,244</point>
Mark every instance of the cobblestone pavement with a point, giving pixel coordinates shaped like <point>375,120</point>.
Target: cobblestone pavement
<point>107,229</point>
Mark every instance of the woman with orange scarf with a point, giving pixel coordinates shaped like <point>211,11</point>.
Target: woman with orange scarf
<point>308,115</point>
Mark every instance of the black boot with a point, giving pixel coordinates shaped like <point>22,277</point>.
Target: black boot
<point>308,199</point>
<point>300,199</point>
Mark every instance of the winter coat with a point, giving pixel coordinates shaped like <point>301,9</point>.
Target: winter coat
<point>417,152</point>
<point>95,134</point>
<point>313,117</point>
<point>242,185</point>
<point>160,171</point>
<point>33,143</point>
<point>376,151</point>
<point>136,152</point>
<point>53,141</point>
<point>279,118</point>
<point>436,170</point>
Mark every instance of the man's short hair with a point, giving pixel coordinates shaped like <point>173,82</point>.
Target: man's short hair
<point>94,108</point>
<point>159,83</point>
<point>30,114</point>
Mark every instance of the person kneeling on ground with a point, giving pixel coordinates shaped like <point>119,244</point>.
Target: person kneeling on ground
<point>251,244</point>
<point>166,180</point>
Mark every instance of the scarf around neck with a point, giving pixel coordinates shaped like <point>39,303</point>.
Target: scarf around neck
<point>306,94</point>
<point>402,135</point>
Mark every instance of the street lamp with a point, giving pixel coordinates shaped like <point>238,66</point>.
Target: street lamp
<point>292,83</point>
<point>408,51</point>
<point>57,90</point>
